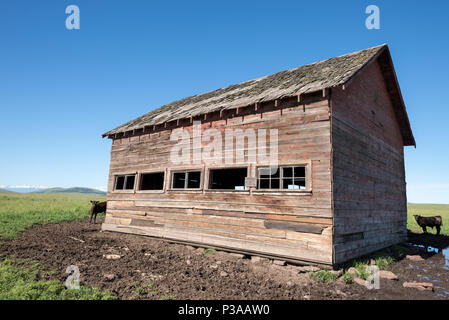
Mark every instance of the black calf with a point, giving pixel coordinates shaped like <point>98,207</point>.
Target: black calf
<point>433,222</point>
<point>96,208</point>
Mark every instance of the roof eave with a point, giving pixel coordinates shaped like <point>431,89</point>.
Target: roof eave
<point>406,130</point>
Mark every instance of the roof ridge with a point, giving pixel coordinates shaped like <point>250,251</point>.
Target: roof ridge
<point>302,79</point>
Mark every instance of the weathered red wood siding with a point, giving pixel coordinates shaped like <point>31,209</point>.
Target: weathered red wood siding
<point>234,219</point>
<point>368,168</point>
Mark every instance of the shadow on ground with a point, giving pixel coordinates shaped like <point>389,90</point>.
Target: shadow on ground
<point>439,242</point>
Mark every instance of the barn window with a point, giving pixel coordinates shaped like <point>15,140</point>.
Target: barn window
<point>152,181</point>
<point>285,177</point>
<point>186,180</point>
<point>119,182</point>
<point>125,182</point>
<point>233,178</point>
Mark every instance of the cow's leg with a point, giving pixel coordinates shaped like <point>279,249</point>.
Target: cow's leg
<point>424,229</point>
<point>91,215</point>
<point>438,230</point>
<point>95,218</point>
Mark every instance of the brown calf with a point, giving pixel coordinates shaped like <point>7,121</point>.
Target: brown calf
<point>96,207</point>
<point>433,222</point>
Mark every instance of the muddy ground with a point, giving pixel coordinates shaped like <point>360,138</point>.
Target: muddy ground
<point>155,269</point>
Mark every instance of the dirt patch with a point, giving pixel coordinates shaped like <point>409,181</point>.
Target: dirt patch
<point>136,267</point>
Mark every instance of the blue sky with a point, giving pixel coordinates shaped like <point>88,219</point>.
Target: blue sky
<point>61,89</point>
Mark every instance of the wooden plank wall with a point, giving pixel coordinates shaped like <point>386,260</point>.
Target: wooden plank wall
<point>368,168</point>
<point>293,225</point>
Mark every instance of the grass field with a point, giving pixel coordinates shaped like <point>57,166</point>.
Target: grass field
<point>428,210</point>
<point>24,280</point>
<point>19,281</point>
<point>19,211</point>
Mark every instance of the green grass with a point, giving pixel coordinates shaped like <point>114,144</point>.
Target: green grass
<point>360,266</point>
<point>384,262</point>
<point>26,283</point>
<point>382,259</point>
<point>142,291</point>
<point>323,276</point>
<point>20,211</point>
<point>209,251</point>
<point>428,210</point>
<point>348,278</point>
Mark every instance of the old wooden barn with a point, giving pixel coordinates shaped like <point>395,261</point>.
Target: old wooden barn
<point>337,190</point>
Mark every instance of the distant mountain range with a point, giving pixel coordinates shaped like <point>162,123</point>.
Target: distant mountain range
<point>71,190</point>
<point>54,190</point>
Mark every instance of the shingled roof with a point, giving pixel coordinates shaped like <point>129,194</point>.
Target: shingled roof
<point>308,78</point>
